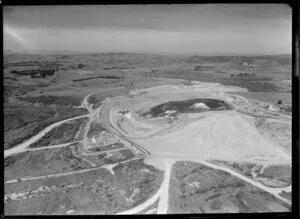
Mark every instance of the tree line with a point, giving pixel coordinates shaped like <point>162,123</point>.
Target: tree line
<point>243,74</point>
<point>105,76</point>
<point>36,73</point>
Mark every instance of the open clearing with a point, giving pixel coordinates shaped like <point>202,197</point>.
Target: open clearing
<point>212,134</point>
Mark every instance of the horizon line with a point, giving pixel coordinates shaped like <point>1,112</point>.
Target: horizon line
<point>58,52</point>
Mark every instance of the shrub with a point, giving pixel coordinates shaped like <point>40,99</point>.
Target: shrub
<point>213,196</point>
<point>216,204</point>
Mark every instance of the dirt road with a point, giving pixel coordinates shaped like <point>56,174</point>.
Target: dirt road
<point>273,191</point>
<point>162,193</point>
<point>214,133</point>
<point>21,147</point>
<point>254,107</point>
<point>215,137</point>
<point>52,146</point>
<point>108,166</point>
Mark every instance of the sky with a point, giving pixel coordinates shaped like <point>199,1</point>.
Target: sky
<point>208,29</point>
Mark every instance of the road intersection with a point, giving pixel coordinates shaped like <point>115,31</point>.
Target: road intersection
<point>102,114</point>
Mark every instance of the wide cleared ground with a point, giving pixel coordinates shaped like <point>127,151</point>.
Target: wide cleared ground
<point>222,134</point>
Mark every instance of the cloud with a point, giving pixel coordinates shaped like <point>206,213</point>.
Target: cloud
<point>209,28</point>
<point>163,17</point>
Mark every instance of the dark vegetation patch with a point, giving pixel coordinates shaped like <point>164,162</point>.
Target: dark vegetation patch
<point>203,67</point>
<point>94,129</point>
<point>93,192</point>
<point>204,59</point>
<point>271,172</point>
<point>22,126</point>
<point>287,195</point>
<point>10,78</point>
<point>185,106</point>
<point>15,137</point>
<point>108,147</point>
<point>242,168</point>
<point>13,159</point>
<point>243,75</point>
<point>213,196</point>
<point>65,133</point>
<point>215,204</point>
<point>33,63</point>
<point>196,188</point>
<point>50,99</point>
<point>254,84</point>
<point>81,66</point>
<point>36,73</point>
<point>43,162</point>
<point>146,182</point>
<point>276,171</point>
<point>95,101</point>
<point>279,172</point>
<point>15,118</point>
<point>17,90</point>
<point>285,108</point>
<point>25,63</point>
<point>104,76</point>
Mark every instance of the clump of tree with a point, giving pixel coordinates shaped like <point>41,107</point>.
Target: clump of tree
<point>36,73</point>
<point>51,99</point>
<point>200,67</point>
<point>104,76</point>
<point>112,67</point>
<point>243,74</point>
<point>26,63</point>
<point>80,66</point>
<point>215,204</point>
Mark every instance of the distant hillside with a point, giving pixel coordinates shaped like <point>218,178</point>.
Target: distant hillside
<point>142,60</point>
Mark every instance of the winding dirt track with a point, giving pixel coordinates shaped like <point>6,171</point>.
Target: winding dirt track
<point>103,114</point>
<point>108,166</point>
<point>23,146</point>
<point>254,107</point>
<point>162,193</point>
